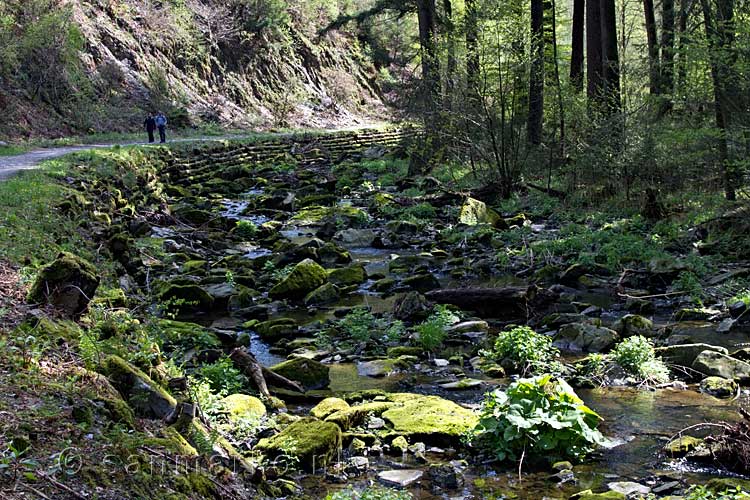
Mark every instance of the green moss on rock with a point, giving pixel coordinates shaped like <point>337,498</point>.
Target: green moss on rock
<point>311,442</point>
<point>304,278</point>
<point>310,373</point>
<point>328,406</point>
<point>325,294</point>
<point>347,276</point>
<point>67,283</point>
<point>242,406</point>
<point>356,415</point>
<point>143,394</point>
<point>430,419</point>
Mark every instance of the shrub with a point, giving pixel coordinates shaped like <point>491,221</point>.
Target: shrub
<point>539,418</point>
<point>223,377</point>
<point>637,357</point>
<point>525,350</point>
<point>362,326</point>
<point>699,492</point>
<point>246,229</point>
<point>432,330</point>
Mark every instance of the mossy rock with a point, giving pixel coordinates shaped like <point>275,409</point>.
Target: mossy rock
<point>315,216</point>
<point>402,350</point>
<point>328,406</point>
<point>304,278</point>
<point>719,485</point>
<point>242,407</point>
<point>719,387</point>
<point>331,254</point>
<point>174,442</point>
<point>422,283</point>
<point>277,329</point>
<point>311,374</point>
<point>313,443</point>
<point>681,446</point>
<point>184,299</point>
<point>324,294</point>
<point>111,298</point>
<point>48,329</point>
<point>143,394</point>
<point>353,275</point>
<point>356,415</point>
<point>430,419</point>
<point>475,212</point>
<point>589,495</point>
<point>186,334</point>
<point>195,267</point>
<point>633,324</point>
<point>67,283</point>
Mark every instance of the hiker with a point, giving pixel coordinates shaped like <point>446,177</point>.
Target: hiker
<point>161,123</point>
<point>150,124</point>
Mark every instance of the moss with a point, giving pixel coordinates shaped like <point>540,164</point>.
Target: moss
<point>329,406</point>
<point>184,298</point>
<point>633,324</point>
<point>395,352</point>
<point>67,283</point>
<point>325,294</point>
<point>46,328</point>
<point>111,298</point>
<point>186,334</point>
<point>311,442</point>
<point>353,275</point>
<point>428,418</point>
<point>174,442</point>
<point>719,387</point>
<point>311,374</point>
<point>275,329</point>
<point>681,446</point>
<point>143,394</point>
<point>718,485</point>
<point>242,406</point>
<point>356,415</point>
<point>589,495</point>
<point>196,484</point>
<point>304,278</point>
<point>475,212</point>
<point>317,215</point>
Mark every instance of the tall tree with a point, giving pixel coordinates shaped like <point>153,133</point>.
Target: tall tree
<point>682,45</point>
<point>667,46</point>
<point>536,77</point>
<point>452,63</point>
<point>576,57</point>
<point>594,69</point>
<point>653,47</point>
<point>610,55</point>
<point>472,48</point>
<point>428,51</point>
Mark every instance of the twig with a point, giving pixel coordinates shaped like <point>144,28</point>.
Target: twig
<point>42,495</point>
<point>61,486</point>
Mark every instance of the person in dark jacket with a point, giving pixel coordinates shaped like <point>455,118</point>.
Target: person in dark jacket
<point>150,124</point>
<point>161,124</point>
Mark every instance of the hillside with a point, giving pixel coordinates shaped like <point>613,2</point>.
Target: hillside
<point>82,66</point>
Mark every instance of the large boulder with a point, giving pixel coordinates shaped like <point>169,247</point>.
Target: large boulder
<point>304,278</point>
<point>68,283</point>
<point>719,387</point>
<point>412,306</point>
<point>347,276</point>
<point>711,363</point>
<point>475,212</point>
<point>324,294</point>
<point>585,337</point>
<point>633,324</point>
<point>144,395</point>
<point>184,299</point>
<point>242,407</point>
<point>310,373</point>
<point>328,407</point>
<point>685,354</point>
<point>312,443</point>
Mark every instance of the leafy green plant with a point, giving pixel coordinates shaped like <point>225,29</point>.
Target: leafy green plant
<point>525,351</point>
<point>432,330</point>
<point>701,492</point>
<point>222,376</point>
<point>361,326</point>
<point>538,418</point>
<point>637,357</point>
<point>691,285</point>
<point>370,493</point>
<point>245,229</point>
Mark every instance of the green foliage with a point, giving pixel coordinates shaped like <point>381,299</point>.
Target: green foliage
<point>691,285</point>
<point>362,326</point>
<point>637,357</point>
<point>541,418</point>
<point>432,330</point>
<point>700,492</point>
<point>246,229</point>
<point>370,493</point>
<point>223,377</point>
<point>526,350</point>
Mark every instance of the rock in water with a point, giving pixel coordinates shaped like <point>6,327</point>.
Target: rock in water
<point>304,278</point>
<point>68,283</point>
<point>312,443</point>
<point>400,478</point>
<point>719,387</point>
<point>720,365</point>
<point>584,337</point>
<point>311,374</point>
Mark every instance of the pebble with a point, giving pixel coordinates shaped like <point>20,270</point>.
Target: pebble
<point>441,363</point>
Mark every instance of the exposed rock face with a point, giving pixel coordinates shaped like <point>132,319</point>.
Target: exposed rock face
<point>68,283</point>
<point>312,442</point>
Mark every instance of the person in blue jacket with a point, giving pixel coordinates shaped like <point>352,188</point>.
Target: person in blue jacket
<point>161,124</point>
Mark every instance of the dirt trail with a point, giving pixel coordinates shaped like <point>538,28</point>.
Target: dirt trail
<point>11,165</point>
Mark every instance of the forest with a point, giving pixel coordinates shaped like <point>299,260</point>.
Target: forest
<point>385,249</point>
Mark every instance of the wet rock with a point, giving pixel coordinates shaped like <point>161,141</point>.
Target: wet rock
<point>144,395</point>
<point>685,354</point>
<point>412,306</point>
<point>712,363</point>
<point>68,283</point>
<point>629,488</point>
<point>311,374</point>
<point>304,278</point>
<point>356,465</point>
<point>446,476</point>
<point>331,254</point>
<point>430,419</point>
<point>276,329</point>
<point>324,294</point>
<point>354,275</point>
<point>184,299</point>
<point>633,324</point>
<point>313,443</point>
<point>400,478</point>
<point>422,282</point>
<point>328,407</point>
<point>719,387</point>
<point>696,314</point>
<point>738,308</point>
<point>358,414</point>
<point>589,495</point>
<point>241,407</point>
<point>475,212</point>
<point>462,385</point>
<point>585,337</point>
<point>400,445</point>
<point>384,285</point>
<point>726,325</point>
<point>384,367</point>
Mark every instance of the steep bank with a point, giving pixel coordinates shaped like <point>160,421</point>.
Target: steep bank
<point>238,64</point>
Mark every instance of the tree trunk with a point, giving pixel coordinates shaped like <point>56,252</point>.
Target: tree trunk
<point>260,375</point>
<point>576,57</point>
<point>558,86</point>
<point>536,77</point>
<point>718,41</point>
<point>667,47</point>
<point>594,74</point>
<point>682,47</point>
<point>450,70</point>
<point>472,49</point>
<point>653,47</point>
<point>610,56</point>
<point>430,64</point>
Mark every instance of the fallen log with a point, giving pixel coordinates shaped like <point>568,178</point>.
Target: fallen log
<point>504,303</point>
<point>259,375</point>
<point>555,193</point>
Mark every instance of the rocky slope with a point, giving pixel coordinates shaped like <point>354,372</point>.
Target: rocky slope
<point>242,63</point>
